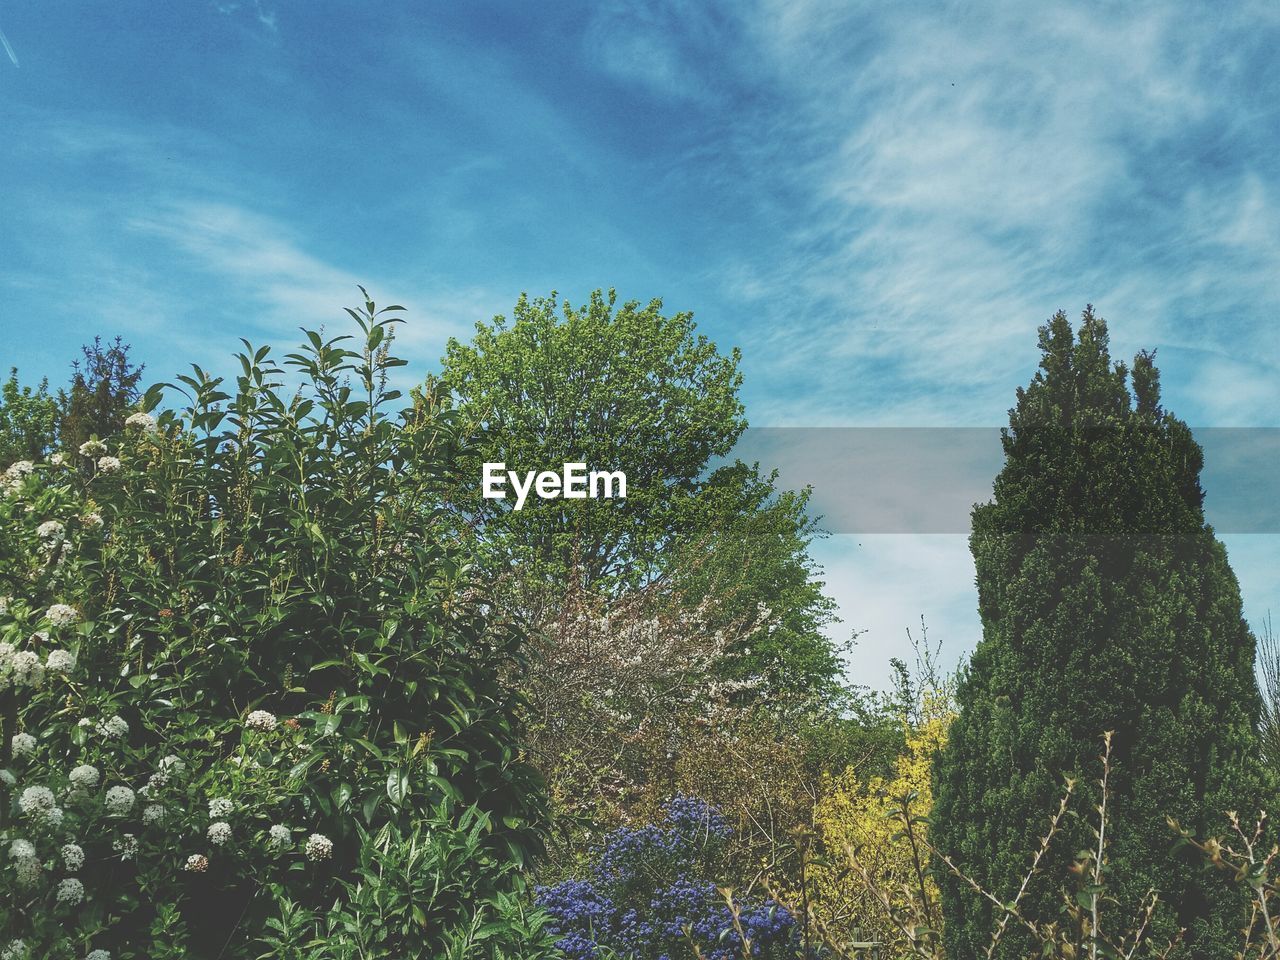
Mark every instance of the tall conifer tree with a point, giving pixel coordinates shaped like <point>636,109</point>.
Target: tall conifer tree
<point>1106,604</point>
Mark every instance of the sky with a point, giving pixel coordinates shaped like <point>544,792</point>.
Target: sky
<point>879,203</point>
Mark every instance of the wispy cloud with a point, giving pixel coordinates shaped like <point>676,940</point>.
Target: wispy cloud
<point>183,259</point>
<point>264,15</point>
<point>4,42</point>
<point>267,263</point>
<point>661,45</point>
<point>936,181</point>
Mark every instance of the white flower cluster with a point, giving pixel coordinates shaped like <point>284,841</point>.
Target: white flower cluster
<point>219,832</point>
<point>50,530</point>
<point>197,863</point>
<point>22,850</point>
<point>126,845</point>
<point>279,837</point>
<point>113,728</point>
<point>141,421</point>
<point>27,669</point>
<point>25,862</point>
<point>15,950</point>
<point>38,803</point>
<point>62,614</point>
<point>71,891</point>
<point>7,778</point>
<point>92,448</point>
<point>11,479</point>
<point>97,955</point>
<point>28,871</point>
<point>85,776</point>
<point>22,745</point>
<point>220,807</point>
<point>153,813</point>
<point>59,459</point>
<point>319,847</point>
<point>72,856</point>
<point>109,464</point>
<point>119,801</point>
<point>261,720</point>
<point>60,661</point>
<point>91,520</point>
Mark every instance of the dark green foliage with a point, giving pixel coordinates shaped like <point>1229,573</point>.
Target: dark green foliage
<point>28,421</point>
<point>429,878</point>
<point>269,548</point>
<point>103,389</point>
<point>1107,604</point>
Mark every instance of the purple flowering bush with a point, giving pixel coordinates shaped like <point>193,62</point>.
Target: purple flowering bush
<point>651,895</point>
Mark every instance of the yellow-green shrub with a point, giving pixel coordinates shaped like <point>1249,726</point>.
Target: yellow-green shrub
<point>858,825</point>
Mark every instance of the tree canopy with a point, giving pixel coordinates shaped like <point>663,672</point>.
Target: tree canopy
<point>627,386</point>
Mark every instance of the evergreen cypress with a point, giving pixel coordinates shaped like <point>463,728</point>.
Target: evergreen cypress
<point>1106,604</point>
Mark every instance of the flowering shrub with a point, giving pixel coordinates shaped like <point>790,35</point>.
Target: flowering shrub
<point>862,819</point>
<point>649,896</point>
<point>616,688</point>
<point>629,703</point>
<point>242,670</point>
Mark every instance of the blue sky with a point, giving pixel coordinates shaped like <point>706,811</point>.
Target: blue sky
<point>878,202</point>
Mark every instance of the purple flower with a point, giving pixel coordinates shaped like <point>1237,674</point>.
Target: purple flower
<point>647,885</point>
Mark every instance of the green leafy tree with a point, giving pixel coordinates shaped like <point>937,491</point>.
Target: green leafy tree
<point>103,389</point>
<point>748,549</point>
<point>28,420</point>
<point>679,635</point>
<point>628,387</point>
<point>1107,605</point>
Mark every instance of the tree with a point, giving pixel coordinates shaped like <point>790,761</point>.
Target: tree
<point>1107,605</point>
<point>103,389</point>
<point>746,548</point>
<point>627,389</point>
<point>28,421</point>
<point>631,388</point>
<point>679,636</point>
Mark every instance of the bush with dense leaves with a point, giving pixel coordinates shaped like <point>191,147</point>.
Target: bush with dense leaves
<point>1107,604</point>
<point>251,697</point>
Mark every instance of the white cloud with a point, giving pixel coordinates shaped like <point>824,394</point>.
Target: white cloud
<point>268,267</point>
<point>955,172</point>
<point>657,44</point>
